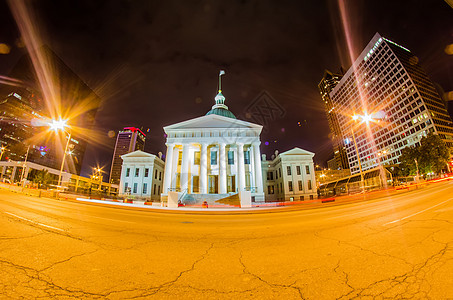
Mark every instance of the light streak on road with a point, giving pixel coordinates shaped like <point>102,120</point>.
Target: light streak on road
<point>417,213</point>
<point>33,222</point>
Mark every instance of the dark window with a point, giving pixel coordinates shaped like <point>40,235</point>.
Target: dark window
<point>155,174</point>
<point>213,157</point>
<point>128,171</point>
<point>146,172</point>
<point>300,185</point>
<point>145,188</point>
<point>160,175</point>
<point>137,172</point>
<point>247,157</point>
<point>290,186</point>
<point>135,188</point>
<point>307,169</point>
<point>309,184</point>
<point>288,170</point>
<point>231,157</point>
<point>298,170</point>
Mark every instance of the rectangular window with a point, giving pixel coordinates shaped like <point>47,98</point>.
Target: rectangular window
<point>145,188</point>
<point>288,170</point>
<point>231,157</point>
<point>195,184</point>
<point>154,189</point>
<point>135,188</point>
<point>160,175</point>
<point>269,175</point>
<point>269,189</point>
<point>196,158</point>
<point>272,189</point>
<point>179,158</point>
<point>301,198</point>
<point>247,157</point>
<point>128,171</point>
<point>146,172</point>
<point>309,184</point>
<point>300,185</point>
<point>213,157</point>
<point>137,172</point>
<point>290,186</point>
<point>158,189</point>
<point>155,174</point>
<point>126,187</point>
<point>298,170</point>
<point>307,169</point>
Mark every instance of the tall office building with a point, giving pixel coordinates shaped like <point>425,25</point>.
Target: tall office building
<point>128,140</point>
<point>327,84</point>
<point>24,90</point>
<point>387,78</point>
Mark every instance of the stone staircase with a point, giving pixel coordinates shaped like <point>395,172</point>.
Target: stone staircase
<point>198,199</point>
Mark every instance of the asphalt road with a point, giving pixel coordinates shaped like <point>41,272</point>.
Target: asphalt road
<point>398,246</point>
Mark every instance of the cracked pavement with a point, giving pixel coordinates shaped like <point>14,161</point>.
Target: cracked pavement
<point>399,245</point>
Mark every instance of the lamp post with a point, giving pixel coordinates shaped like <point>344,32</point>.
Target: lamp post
<point>3,148</point>
<point>60,125</point>
<point>362,186</point>
<point>367,119</point>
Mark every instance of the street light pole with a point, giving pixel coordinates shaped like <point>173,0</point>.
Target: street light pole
<point>24,166</point>
<point>64,157</point>
<point>1,153</point>
<point>358,159</point>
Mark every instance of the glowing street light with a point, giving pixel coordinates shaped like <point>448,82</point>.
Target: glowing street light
<point>366,118</point>
<point>61,125</point>
<point>3,148</point>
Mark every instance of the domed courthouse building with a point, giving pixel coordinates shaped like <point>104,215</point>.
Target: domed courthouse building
<point>213,157</point>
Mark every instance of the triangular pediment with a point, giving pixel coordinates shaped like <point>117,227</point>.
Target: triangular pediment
<point>297,151</point>
<point>138,153</point>
<point>212,121</point>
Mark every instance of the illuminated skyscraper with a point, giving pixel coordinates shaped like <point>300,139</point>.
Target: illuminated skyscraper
<point>24,89</point>
<point>387,78</point>
<point>128,140</point>
<point>327,84</point>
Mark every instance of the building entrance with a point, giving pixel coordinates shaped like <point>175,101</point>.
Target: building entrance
<point>231,184</point>
<point>213,184</point>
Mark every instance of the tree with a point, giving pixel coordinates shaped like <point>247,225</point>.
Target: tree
<point>408,158</point>
<point>42,178</point>
<point>434,154</point>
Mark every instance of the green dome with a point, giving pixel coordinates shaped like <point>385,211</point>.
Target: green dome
<point>221,112</point>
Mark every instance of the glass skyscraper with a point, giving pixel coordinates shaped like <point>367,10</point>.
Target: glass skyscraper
<point>387,81</point>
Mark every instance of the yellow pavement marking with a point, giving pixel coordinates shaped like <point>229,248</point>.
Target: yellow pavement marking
<point>31,221</point>
<point>417,213</point>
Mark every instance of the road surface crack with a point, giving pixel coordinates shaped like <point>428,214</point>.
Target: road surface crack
<point>292,285</point>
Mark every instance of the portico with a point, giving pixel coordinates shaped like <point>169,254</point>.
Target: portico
<point>214,154</point>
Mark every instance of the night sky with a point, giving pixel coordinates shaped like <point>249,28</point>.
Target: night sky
<point>155,63</point>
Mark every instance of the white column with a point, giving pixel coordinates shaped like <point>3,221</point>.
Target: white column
<point>241,167</point>
<point>222,170</point>
<point>204,169</point>
<point>258,169</point>
<point>168,168</point>
<point>185,167</point>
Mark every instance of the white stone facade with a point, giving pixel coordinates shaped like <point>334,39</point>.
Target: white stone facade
<point>142,175</point>
<point>213,154</point>
<point>290,176</point>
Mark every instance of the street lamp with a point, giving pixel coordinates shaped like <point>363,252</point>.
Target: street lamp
<point>355,118</point>
<point>61,125</point>
<point>3,148</point>
<point>366,118</point>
